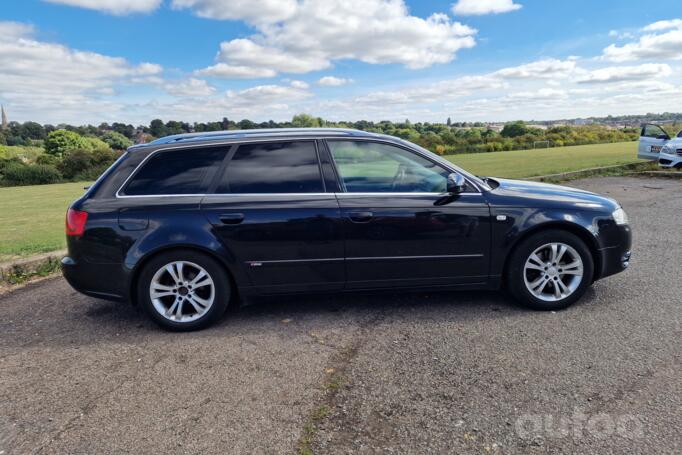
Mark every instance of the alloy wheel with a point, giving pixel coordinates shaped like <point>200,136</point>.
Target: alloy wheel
<point>553,271</point>
<point>182,291</point>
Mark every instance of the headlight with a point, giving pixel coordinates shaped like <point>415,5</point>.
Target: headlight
<point>620,216</point>
<point>668,150</point>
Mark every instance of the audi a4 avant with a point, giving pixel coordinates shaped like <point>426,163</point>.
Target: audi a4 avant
<point>186,225</point>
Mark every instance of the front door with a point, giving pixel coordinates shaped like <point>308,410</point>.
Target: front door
<point>400,226</point>
<point>652,139</point>
<point>274,215</point>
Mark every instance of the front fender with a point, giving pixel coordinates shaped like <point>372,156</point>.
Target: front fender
<point>511,225</point>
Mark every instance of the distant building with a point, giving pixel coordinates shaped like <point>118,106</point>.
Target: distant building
<point>5,123</point>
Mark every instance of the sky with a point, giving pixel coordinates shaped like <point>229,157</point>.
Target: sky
<point>93,61</point>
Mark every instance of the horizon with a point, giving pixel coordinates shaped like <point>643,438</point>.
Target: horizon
<point>81,62</point>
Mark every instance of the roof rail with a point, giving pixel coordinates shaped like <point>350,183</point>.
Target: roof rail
<point>236,134</point>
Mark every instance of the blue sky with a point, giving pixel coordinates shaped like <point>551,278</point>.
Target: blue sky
<point>89,61</point>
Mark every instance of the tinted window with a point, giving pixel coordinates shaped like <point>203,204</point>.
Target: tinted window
<point>282,167</point>
<point>177,172</point>
<point>371,167</point>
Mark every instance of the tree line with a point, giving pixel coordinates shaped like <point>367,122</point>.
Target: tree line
<point>31,153</point>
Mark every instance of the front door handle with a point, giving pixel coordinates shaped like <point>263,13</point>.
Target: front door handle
<point>232,218</point>
<point>360,217</point>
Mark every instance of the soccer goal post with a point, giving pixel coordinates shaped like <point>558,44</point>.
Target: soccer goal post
<point>541,144</point>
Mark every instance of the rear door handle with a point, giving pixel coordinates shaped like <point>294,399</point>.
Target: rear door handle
<point>232,218</point>
<point>360,217</point>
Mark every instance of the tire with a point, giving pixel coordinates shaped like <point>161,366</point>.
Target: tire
<point>535,282</point>
<point>191,290</point>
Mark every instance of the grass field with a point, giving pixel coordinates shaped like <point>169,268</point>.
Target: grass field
<point>530,163</point>
<point>32,217</point>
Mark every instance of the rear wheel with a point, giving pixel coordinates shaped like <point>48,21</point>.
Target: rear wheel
<point>550,270</point>
<point>184,290</point>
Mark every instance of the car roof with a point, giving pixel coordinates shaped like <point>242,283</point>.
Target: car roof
<point>259,133</point>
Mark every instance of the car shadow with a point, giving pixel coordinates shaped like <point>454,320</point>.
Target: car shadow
<point>92,321</point>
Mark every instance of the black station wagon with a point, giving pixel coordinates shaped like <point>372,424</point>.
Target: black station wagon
<point>186,225</point>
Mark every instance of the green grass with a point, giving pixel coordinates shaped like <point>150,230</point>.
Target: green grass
<point>32,218</point>
<point>530,163</point>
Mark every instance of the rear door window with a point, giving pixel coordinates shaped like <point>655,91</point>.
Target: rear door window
<point>273,167</point>
<point>187,171</point>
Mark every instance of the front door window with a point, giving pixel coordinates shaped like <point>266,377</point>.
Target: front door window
<point>373,167</point>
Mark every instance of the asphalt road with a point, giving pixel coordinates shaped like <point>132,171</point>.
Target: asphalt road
<point>410,373</point>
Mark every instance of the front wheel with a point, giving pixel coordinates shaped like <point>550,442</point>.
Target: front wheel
<point>550,270</point>
<point>183,290</point>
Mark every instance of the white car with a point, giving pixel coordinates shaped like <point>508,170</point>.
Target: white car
<point>655,144</point>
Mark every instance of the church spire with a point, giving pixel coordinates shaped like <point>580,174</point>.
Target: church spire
<point>5,123</point>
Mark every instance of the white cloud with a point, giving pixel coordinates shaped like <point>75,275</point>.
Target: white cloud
<point>266,94</point>
<point>299,84</point>
<point>663,25</point>
<point>479,7</point>
<point>116,7</point>
<point>316,33</point>
<point>190,87</point>
<point>331,81</point>
<point>225,71</point>
<point>627,73</point>
<point>667,45</point>
<point>252,11</point>
<point>53,81</point>
<point>540,69</point>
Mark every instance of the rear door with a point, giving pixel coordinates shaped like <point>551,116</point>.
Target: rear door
<point>273,211</point>
<point>652,139</point>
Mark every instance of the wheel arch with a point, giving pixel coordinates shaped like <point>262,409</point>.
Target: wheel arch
<point>142,262</point>
<point>576,229</point>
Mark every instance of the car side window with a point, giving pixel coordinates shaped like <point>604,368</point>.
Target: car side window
<point>653,131</point>
<point>273,167</point>
<point>372,167</point>
<point>176,172</point>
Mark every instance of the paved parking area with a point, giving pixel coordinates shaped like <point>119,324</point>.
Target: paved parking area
<point>410,373</point>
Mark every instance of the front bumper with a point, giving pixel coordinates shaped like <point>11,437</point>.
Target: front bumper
<point>666,160</point>
<point>616,259</point>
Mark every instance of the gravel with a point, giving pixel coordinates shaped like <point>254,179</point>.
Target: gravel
<point>415,373</point>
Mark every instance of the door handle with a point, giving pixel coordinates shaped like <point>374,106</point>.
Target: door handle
<point>360,217</point>
<point>232,218</point>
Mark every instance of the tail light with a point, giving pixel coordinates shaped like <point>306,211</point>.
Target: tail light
<point>75,222</point>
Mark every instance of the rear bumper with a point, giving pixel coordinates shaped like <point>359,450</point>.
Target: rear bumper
<point>103,281</point>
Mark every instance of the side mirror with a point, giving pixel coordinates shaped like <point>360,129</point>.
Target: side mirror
<point>456,183</point>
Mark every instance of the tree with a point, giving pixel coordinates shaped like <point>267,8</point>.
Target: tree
<point>157,128</point>
<point>305,121</point>
<point>59,142</point>
<point>449,122</point>
<point>116,141</point>
<point>514,129</point>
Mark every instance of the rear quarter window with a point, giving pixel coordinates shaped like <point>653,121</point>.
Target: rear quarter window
<point>187,171</point>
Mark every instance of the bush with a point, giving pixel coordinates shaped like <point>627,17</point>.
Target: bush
<point>50,160</point>
<point>116,141</point>
<point>92,173</point>
<point>15,174</point>
<point>59,142</point>
<point>76,162</point>
<point>85,165</point>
